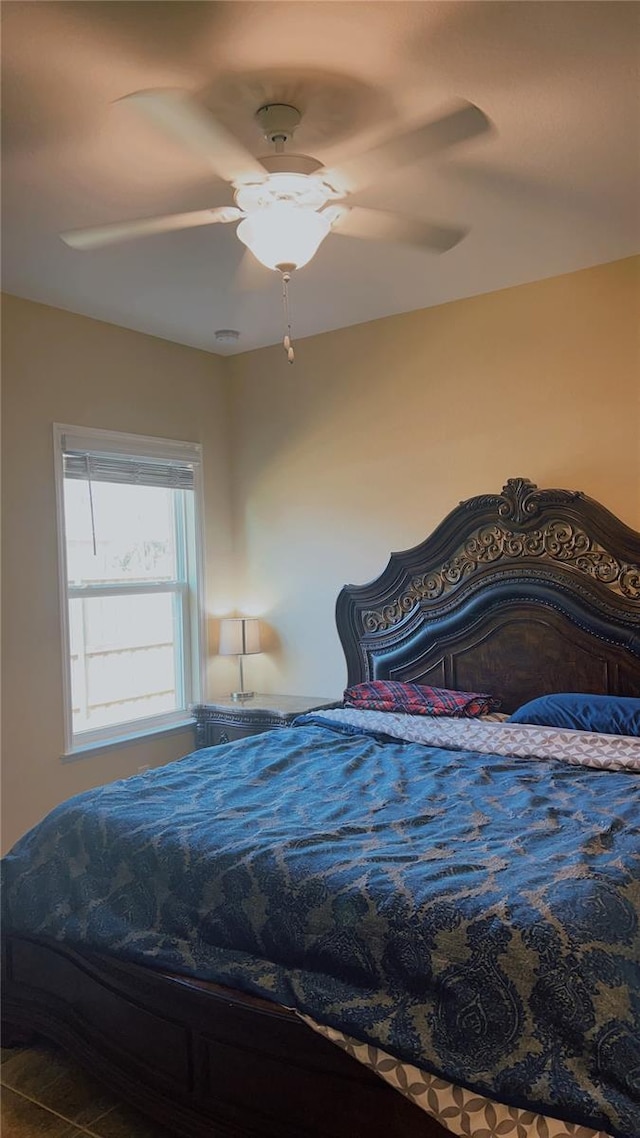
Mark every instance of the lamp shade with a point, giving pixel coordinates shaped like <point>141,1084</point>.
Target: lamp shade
<point>239,636</point>
<point>284,234</point>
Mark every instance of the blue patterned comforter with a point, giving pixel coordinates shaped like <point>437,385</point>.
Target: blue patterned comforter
<point>474,915</point>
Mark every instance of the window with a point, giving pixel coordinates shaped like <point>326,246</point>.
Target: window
<point>129,519</point>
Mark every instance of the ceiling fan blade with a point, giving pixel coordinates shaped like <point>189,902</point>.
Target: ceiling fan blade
<point>99,235</point>
<point>183,118</point>
<point>379,225</point>
<point>465,121</point>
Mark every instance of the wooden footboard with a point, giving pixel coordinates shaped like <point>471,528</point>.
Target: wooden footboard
<point>202,1059</point>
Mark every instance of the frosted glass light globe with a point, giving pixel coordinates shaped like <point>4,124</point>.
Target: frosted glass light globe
<point>284,235</point>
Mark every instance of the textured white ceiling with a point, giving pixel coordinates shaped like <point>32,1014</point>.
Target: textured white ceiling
<point>555,187</point>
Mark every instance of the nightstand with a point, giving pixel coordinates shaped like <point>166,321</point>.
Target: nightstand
<point>228,719</point>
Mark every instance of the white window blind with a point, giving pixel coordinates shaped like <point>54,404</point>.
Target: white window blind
<point>95,467</point>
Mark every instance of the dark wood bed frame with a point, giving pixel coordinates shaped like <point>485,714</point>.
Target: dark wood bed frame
<point>519,594</point>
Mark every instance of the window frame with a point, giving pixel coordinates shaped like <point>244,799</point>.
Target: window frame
<point>192,640</point>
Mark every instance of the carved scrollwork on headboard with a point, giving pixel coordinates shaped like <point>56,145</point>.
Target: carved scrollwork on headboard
<point>521,500</point>
<point>526,591</point>
<point>556,541</point>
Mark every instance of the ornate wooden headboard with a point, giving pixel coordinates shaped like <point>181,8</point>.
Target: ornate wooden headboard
<point>518,594</point>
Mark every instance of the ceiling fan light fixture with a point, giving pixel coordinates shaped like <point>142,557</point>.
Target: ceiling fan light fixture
<point>284,235</point>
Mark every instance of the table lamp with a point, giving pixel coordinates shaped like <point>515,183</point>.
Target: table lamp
<point>239,636</point>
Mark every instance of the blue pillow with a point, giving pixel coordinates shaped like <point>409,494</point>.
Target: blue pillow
<point>608,714</point>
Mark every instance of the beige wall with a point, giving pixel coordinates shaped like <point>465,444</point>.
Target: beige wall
<point>58,367</point>
<point>324,468</point>
<point>378,430</point>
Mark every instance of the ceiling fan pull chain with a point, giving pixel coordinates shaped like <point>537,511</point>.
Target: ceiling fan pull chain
<point>288,346</point>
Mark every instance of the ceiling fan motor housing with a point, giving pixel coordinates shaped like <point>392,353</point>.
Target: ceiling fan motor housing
<point>290,164</point>
<point>287,187</point>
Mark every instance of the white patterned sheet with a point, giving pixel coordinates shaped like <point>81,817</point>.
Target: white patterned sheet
<point>462,1112</point>
<point>515,740</point>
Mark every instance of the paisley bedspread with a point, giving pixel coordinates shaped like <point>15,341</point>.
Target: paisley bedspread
<point>471,914</point>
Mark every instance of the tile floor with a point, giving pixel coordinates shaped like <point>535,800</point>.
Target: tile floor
<point>44,1095</point>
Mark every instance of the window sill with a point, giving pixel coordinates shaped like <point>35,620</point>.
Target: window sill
<point>85,750</point>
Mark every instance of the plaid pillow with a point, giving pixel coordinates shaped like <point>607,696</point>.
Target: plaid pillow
<point>416,699</point>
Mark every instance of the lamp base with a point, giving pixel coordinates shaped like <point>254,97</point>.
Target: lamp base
<point>240,696</point>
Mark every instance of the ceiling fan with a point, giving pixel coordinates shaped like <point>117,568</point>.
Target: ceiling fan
<point>287,203</point>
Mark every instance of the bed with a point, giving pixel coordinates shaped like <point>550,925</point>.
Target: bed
<point>519,594</point>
